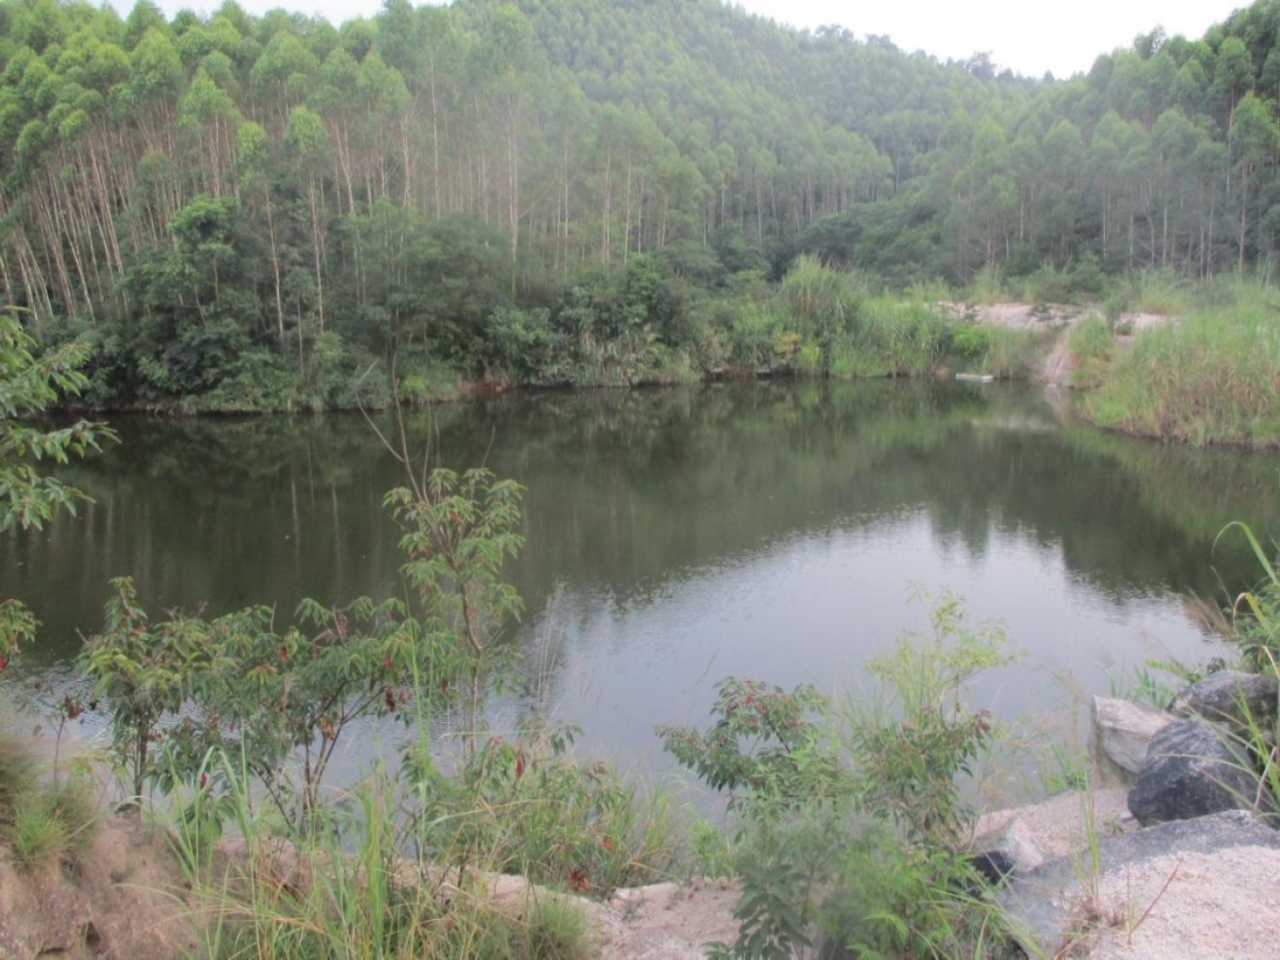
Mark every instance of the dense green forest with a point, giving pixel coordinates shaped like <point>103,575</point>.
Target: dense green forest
<point>247,212</point>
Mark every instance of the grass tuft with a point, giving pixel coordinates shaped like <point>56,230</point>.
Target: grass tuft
<point>38,834</point>
<point>41,818</point>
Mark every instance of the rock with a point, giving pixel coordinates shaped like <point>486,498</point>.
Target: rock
<point>1010,850</point>
<point>1191,771</point>
<point>1046,904</point>
<point>1124,730</point>
<point>1232,697</point>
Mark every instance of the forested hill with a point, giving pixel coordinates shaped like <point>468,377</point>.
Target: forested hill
<point>237,198</point>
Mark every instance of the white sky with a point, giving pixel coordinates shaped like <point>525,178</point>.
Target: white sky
<point>1027,36</point>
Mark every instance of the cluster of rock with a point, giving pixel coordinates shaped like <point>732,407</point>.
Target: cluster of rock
<point>1194,758</point>
<point>1193,784</point>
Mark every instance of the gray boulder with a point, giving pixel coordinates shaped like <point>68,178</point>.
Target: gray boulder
<point>1230,696</point>
<point>1123,730</point>
<point>1192,770</point>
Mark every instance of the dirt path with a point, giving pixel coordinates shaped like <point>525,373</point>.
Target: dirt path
<point>1058,364</point>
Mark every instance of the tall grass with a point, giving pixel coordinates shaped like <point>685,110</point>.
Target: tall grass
<point>323,900</point>
<point>1211,378</point>
<point>386,879</point>
<point>482,863</point>
<point>893,336</point>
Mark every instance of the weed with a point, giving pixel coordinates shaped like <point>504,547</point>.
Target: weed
<point>1255,614</point>
<point>552,930</point>
<point>1070,771</point>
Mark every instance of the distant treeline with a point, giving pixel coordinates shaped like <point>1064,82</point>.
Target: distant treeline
<point>274,206</point>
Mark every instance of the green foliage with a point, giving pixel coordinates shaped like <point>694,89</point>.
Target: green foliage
<point>142,673</point>
<point>851,813</point>
<point>279,699</point>
<point>754,338</point>
<point>421,380</point>
<point>19,769</point>
<point>256,381</point>
<point>38,833</point>
<point>898,336</point>
<point>451,180</point>
<point>971,341</point>
<point>459,530</point>
<point>27,387</point>
<point>1081,282</point>
<point>757,741</point>
<point>823,304</point>
<point>27,497</point>
<point>1016,354</point>
<point>915,736</point>
<point>710,853</point>
<point>285,700</point>
<point>282,700</point>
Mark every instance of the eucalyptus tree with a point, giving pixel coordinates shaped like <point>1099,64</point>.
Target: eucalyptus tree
<point>1252,146</point>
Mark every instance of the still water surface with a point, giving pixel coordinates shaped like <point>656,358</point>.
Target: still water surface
<point>678,536</point>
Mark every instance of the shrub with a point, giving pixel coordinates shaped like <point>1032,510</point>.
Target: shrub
<point>851,814</point>
<point>258,381</point>
<point>970,340</point>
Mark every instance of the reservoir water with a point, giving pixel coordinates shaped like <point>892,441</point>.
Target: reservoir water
<point>677,536</point>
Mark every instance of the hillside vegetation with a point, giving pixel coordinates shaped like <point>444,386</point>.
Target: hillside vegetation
<point>243,212</point>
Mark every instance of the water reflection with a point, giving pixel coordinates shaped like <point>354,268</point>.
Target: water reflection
<point>768,530</point>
